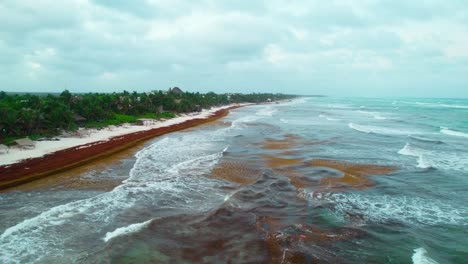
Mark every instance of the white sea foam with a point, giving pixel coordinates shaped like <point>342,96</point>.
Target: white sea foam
<point>426,140</point>
<point>264,112</point>
<point>360,128</point>
<point>241,122</point>
<point>94,137</point>
<point>379,117</point>
<point>440,159</point>
<point>166,176</point>
<point>374,115</point>
<point>329,118</point>
<point>296,101</point>
<point>267,111</point>
<point>435,105</point>
<point>203,164</point>
<point>420,257</point>
<point>449,132</point>
<point>126,230</point>
<point>380,130</point>
<point>407,150</point>
<point>385,208</point>
<point>341,106</point>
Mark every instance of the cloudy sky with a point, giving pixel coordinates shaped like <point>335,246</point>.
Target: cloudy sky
<point>334,47</point>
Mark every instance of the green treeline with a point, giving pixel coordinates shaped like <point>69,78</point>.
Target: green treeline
<point>33,115</point>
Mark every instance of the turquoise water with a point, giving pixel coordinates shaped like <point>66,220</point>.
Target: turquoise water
<point>182,201</point>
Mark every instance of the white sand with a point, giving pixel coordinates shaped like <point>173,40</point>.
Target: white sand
<point>46,147</point>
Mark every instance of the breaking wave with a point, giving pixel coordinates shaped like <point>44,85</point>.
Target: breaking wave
<point>385,208</point>
<point>426,140</point>
<point>379,130</point>
<point>267,111</point>
<point>435,105</point>
<point>420,257</point>
<point>164,178</point>
<point>374,115</point>
<point>449,132</point>
<point>329,118</point>
<point>439,159</point>
<point>407,150</point>
<point>122,231</point>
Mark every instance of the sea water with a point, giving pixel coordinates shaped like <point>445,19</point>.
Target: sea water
<point>245,189</point>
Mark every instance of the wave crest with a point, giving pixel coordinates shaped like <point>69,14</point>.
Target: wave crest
<point>408,150</point>
<point>126,230</point>
<point>441,159</point>
<point>386,208</point>
<point>379,130</point>
<point>420,257</point>
<point>450,132</point>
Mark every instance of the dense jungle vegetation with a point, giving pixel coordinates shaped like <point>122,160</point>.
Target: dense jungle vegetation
<point>41,116</point>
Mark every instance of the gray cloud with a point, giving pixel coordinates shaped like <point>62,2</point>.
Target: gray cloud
<point>335,47</point>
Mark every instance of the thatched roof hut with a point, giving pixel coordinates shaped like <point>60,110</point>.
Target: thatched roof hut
<point>79,119</point>
<point>25,143</point>
<point>176,90</point>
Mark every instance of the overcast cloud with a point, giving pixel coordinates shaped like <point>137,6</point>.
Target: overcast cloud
<point>336,47</point>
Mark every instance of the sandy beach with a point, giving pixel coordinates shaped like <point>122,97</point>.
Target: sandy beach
<point>48,157</point>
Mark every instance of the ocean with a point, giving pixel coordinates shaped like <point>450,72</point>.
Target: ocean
<point>314,180</point>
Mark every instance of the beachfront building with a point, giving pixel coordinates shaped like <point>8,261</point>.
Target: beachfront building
<point>176,90</point>
<point>79,120</point>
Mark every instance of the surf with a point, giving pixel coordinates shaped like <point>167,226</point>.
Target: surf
<point>408,150</point>
<point>374,115</point>
<point>379,130</point>
<point>426,140</point>
<point>392,208</point>
<point>420,256</point>
<point>450,132</point>
<point>164,177</point>
<point>329,118</point>
<point>126,230</point>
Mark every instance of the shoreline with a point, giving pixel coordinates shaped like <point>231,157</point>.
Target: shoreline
<point>49,162</point>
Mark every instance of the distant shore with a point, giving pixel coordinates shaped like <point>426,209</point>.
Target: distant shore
<point>49,157</point>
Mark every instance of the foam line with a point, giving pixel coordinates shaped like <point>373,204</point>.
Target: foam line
<point>126,230</point>
<point>450,132</point>
<point>420,257</point>
<point>386,208</point>
<point>379,130</point>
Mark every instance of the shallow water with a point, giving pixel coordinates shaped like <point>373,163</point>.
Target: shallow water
<point>316,180</point>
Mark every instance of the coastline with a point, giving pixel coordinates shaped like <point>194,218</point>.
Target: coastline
<point>43,162</point>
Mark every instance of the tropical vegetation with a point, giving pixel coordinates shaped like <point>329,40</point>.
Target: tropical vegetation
<point>47,115</point>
